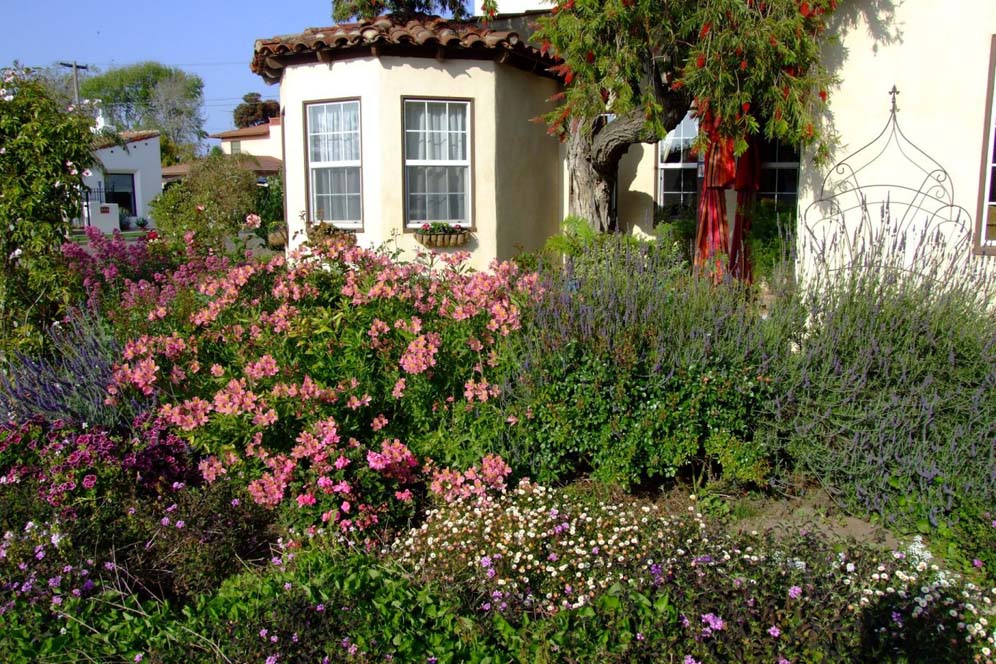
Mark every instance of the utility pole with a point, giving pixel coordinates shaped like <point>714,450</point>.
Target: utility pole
<point>76,79</point>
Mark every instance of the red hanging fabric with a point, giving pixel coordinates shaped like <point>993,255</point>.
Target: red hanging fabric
<point>713,242</point>
<point>712,237</point>
<point>747,182</point>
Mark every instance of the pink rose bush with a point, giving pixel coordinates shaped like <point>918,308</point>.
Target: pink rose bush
<point>318,378</point>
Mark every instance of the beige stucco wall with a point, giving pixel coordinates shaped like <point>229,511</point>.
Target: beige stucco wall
<point>380,84</point>
<point>260,146</point>
<point>937,54</point>
<point>635,197</point>
<point>527,163</point>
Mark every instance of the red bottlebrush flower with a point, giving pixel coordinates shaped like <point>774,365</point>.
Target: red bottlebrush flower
<point>743,65</point>
<point>568,78</point>
<point>778,114</point>
<point>700,61</point>
<point>823,95</point>
<point>809,130</point>
<point>739,50</point>
<point>589,57</point>
<point>805,10</point>
<point>745,106</point>
<point>772,40</point>
<point>568,5</point>
<point>785,92</point>
<point>677,85</point>
<point>705,30</point>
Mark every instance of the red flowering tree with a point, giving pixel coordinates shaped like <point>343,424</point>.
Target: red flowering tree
<point>751,67</point>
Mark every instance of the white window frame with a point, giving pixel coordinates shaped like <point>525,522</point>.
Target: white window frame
<point>314,166</point>
<point>468,221</point>
<point>663,166</point>
<point>987,180</point>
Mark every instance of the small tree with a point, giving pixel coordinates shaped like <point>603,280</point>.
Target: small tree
<point>255,110</point>
<point>212,201</point>
<point>44,150</point>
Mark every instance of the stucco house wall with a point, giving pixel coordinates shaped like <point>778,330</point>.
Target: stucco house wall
<point>140,158</point>
<point>527,163</point>
<point>381,64</point>
<point>938,56</point>
<point>381,84</point>
<point>262,141</point>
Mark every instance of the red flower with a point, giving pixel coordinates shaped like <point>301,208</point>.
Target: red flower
<point>745,106</point>
<point>589,57</point>
<point>743,65</point>
<point>700,61</point>
<point>823,95</point>
<point>705,30</point>
<point>805,10</point>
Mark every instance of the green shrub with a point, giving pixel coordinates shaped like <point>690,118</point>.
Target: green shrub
<point>889,399</point>
<point>632,369</point>
<point>45,151</point>
<point>213,202</point>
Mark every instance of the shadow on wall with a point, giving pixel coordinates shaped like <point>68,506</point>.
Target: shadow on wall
<point>635,206</point>
<point>878,18</point>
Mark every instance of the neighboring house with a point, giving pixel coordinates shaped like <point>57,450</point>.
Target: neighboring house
<point>262,140</point>
<point>387,125</point>
<point>126,177</point>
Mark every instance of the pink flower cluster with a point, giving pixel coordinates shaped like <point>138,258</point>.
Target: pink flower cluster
<point>394,460</point>
<point>453,485</point>
<point>420,355</point>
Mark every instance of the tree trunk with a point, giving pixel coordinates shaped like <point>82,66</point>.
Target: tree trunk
<point>593,153</point>
<point>590,195</point>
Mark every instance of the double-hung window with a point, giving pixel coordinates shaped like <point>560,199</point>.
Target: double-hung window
<point>334,162</point>
<point>437,162</point>
<point>679,172</point>
<point>987,193</point>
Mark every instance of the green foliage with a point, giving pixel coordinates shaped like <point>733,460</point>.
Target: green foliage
<point>270,205</point>
<point>212,202</point>
<point>343,10</point>
<point>889,397</point>
<point>633,370</point>
<point>150,95</point>
<point>43,153</point>
<point>254,110</point>
<point>756,66</point>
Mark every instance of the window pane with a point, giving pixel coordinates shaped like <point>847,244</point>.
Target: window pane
<point>671,179</point>
<point>354,207</point>
<point>992,185</point>
<point>416,207</point>
<point>416,179</point>
<point>788,181</point>
<point>415,115</point>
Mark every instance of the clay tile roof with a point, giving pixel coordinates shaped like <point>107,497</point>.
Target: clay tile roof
<point>108,140</point>
<point>419,36</point>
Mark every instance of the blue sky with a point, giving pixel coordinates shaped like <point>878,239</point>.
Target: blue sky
<point>211,39</point>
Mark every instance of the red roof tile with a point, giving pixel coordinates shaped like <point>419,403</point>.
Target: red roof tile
<point>105,140</point>
<point>248,132</point>
<point>259,165</point>
<point>421,35</point>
